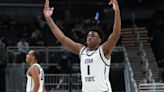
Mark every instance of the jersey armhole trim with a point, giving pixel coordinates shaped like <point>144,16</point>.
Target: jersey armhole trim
<point>102,58</point>
<point>37,68</point>
<point>81,51</point>
<point>105,78</point>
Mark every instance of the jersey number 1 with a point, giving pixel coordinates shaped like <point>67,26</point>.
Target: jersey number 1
<point>88,69</point>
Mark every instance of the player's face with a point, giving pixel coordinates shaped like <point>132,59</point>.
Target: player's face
<point>29,57</point>
<point>93,39</point>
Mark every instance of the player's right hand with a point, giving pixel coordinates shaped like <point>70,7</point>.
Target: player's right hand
<point>115,5</point>
<point>47,10</point>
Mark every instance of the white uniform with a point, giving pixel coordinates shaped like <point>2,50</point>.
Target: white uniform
<point>30,82</point>
<point>94,71</point>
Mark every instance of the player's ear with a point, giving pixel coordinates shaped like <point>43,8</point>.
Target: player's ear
<point>32,57</point>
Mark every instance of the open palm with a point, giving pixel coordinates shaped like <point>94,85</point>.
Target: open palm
<point>47,10</point>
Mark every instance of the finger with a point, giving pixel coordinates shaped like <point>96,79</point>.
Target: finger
<point>111,1</point>
<point>115,1</point>
<point>44,10</point>
<point>46,4</point>
<point>52,8</point>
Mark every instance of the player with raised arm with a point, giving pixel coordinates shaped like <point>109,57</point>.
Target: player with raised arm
<point>95,57</point>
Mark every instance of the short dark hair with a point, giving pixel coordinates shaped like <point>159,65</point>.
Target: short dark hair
<point>98,31</point>
<point>35,54</point>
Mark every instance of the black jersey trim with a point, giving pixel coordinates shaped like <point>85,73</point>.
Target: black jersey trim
<point>90,54</point>
<point>102,58</point>
<point>105,77</point>
<point>83,50</point>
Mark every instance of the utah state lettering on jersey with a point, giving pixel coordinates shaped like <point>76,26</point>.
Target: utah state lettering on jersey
<point>91,78</point>
<point>94,70</point>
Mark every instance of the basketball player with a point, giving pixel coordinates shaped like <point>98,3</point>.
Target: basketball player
<point>35,74</point>
<point>95,57</point>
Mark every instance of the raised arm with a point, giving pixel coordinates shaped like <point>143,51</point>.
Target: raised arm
<point>73,46</point>
<point>113,38</point>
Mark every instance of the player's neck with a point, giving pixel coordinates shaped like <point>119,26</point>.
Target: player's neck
<point>92,48</point>
<point>33,62</point>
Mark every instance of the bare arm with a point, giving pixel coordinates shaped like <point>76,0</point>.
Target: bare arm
<point>73,46</point>
<point>113,38</point>
<point>34,73</point>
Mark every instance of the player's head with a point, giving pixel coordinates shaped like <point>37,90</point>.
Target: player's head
<point>31,57</point>
<point>94,38</point>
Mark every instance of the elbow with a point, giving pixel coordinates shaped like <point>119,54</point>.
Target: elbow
<point>117,33</point>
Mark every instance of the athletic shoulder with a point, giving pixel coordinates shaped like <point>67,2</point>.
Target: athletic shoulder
<point>82,49</point>
<point>33,68</point>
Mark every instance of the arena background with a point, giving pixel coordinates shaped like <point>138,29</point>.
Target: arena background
<point>137,61</point>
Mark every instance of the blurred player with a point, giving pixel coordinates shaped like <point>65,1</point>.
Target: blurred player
<point>35,74</point>
<point>95,57</point>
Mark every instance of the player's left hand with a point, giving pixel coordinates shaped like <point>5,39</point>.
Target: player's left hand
<point>115,5</point>
<point>47,10</point>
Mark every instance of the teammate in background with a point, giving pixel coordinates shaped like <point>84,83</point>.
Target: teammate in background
<point>95,57</point>
<point>35,74</point>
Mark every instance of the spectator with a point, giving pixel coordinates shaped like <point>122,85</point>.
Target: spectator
<point>37,38</point>
<point>36,34</point>
<point>2,49</point>
<point>2,44</point>
<point>144,81</point>
<point>52,90</point>
<point>23,47</point>
<point>64,64</point>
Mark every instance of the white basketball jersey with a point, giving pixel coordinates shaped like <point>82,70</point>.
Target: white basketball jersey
<point>30,82</point>
<point>94,71</point>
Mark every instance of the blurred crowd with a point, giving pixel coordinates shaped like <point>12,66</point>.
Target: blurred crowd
<point>37,33</point>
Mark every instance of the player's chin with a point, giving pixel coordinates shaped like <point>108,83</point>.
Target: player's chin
<point>89,43</point>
